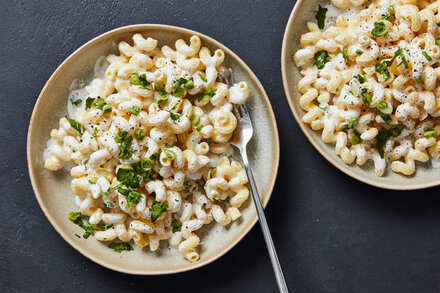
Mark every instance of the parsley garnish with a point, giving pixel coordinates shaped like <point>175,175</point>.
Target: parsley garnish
<point>128,177</point>
<point>420,79</point>
<point>175,116</point>
<point>383,136</point>
<point>125,148</point>
<point>110,190</point>
<point>321,57</point>
<point>157,208</point>
<point>108,226</point>
<point>320,16</point>
<point>133,197</point>
<point>121,136</point>
<point>89,102</point>
<point>156,158</point>
<point>76,103</point>
<point>77,218</point>
<point>176,226</point>
<point>76,126</point>
<point>118,247</point>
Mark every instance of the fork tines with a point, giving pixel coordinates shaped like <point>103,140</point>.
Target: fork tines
<point>240,110</point>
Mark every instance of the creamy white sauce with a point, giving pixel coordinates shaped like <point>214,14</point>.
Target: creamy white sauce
<point>333,12</point>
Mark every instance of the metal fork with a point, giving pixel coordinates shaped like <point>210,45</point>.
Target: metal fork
<point>243,133</point>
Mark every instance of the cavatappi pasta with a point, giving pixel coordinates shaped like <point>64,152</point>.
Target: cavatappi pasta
<point>370,82</point>
<point>149,143</point>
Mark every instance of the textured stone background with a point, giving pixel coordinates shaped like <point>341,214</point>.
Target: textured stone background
<point>333,233</point>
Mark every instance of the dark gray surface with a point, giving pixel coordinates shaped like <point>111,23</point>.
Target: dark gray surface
<point>333,234</point>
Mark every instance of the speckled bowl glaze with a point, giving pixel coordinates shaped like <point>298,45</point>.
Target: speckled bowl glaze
<point>52,189</point>
<point>303,12</point>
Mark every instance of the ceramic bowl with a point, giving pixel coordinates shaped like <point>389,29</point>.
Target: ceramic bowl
<point>52,189</point>
<point>303,12</point>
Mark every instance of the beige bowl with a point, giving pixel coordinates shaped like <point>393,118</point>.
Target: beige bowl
<point>303,12</point>
<point>52,189</point>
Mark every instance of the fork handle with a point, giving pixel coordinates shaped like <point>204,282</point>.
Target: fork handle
<point>266,232</point>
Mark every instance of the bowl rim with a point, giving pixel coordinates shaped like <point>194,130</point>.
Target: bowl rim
<point>189,265</point>
<point>285,59</point>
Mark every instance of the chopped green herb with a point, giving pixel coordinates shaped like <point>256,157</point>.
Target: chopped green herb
<point>176,226</point>
<point>349,124</point>
<point>76,126</point>
<point>320,16</point>
<point>379,29</point>
<point>121,136</point>
<point>133,197</point>
<point>429,133</point>
<point>205,95</point>
<point>366,97</point>
<point>361,78</point>
<point>89,102</point>
<point>77,235</point>
<point>77,218</point>
<point>345,52</point>
<point>119,247</point>
<point>76,103</point>
<point>420,79</point>
<point>175,116</point>
<point>159,86</point>
<point>135,110</point>
<point>178,92</point>
<point>199,128</point>
<point>110,190</point>
<point>108,226</point>
<point>141,80</point>
<point>202,77</point>
<point>203,206</point>
<point>321,57</point>
<point>106,109</point>
<point>155,158</point>
<point>429,58</point>
<point>157,208</point>
<point>384,75</point>
<point>383,136</point>
<point>189,84</point>
<point>144,169</point>
<point>140,134</point>
<point>359,52</point>
<point>128,177</point>
<point>91,182</point>
<point>125,148</point>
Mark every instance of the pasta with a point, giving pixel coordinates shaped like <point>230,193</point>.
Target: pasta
<point>370,82</point>
<point>147,143</point>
